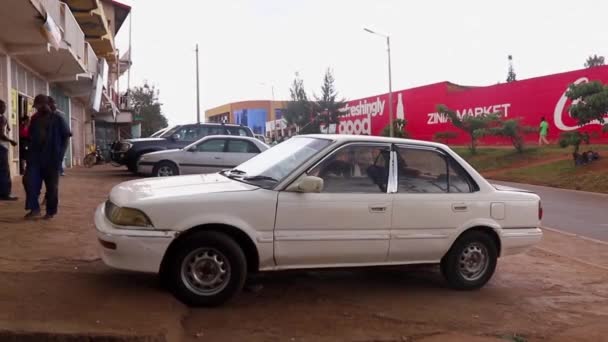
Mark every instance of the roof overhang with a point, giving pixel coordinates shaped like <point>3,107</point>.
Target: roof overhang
<point>82,5</point>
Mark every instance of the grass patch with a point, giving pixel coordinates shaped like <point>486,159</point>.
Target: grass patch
<point>496,158</point>
<point>563,174</point>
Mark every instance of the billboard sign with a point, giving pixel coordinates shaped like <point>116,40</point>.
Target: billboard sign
<point>529,100</point>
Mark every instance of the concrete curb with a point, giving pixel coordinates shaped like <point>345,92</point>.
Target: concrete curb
<point>576,236</point>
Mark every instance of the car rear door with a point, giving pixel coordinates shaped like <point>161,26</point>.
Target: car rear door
<point>434,198</point>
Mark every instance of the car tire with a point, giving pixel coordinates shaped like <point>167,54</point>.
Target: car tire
<point>132,167</point>
<point>471,261</point>
<point>165,169</point>
<point>207,269</point>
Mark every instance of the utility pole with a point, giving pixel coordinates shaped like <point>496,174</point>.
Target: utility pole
<point>198,93</point>
<point>390,81</point>
<point>390,88</point>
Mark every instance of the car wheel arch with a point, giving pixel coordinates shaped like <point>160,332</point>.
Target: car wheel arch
<point>491,232</point>
<point>239,236</point>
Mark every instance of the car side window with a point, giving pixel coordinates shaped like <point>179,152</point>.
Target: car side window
<point>421,171</point>
<point>213,145</point>
<point>242,146</point>
<point>189,133</point>
<point>240,131</point>
<point>460,181</point>
<point>355,169</point>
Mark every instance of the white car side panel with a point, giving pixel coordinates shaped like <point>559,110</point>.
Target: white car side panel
<point>425,224</point>
<point>252,211</point>
<point>318,228</point>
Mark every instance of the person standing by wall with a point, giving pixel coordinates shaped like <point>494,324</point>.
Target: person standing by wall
<point>49,134</point>
<point>5,144</point>
<point>543,129</point>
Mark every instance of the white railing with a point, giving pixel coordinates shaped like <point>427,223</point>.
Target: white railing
<point>73,36</point>
<point>90,60</point>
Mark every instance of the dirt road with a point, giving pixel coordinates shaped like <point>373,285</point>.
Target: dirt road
<point>52,281</point>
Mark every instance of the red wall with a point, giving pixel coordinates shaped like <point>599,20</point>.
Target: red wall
<point>529,100</point>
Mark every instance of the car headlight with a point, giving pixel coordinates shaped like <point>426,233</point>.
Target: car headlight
<point>125,146</point>
<point>127,216</point>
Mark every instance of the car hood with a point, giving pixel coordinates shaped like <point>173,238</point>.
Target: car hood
<point>129,194</point>
<point>139,140</point>
<point>158,154</point>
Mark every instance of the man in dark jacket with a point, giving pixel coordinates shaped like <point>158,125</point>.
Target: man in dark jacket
<point>49,134</point>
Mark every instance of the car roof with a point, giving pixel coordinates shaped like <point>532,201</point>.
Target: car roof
<point>254,140</point>
<point>343,138</point>
<point>214,124</point>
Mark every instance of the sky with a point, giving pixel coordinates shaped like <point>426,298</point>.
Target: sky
<point>248,47</point>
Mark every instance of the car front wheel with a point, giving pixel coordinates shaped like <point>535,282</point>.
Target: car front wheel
<point>471,261</point>
<point>165,169</point>
<point>208,269</point>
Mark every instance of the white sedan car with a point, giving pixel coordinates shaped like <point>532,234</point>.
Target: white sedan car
<point>207,155</point>
<point>317,201</point>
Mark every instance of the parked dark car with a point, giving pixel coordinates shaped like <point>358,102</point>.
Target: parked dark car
<point>127,152</point>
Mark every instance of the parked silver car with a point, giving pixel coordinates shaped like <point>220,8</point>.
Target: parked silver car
<point>207,155</point>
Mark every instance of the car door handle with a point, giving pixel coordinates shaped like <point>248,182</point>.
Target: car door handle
<point>377,209</point>
<point>217,158</point>
<point>460,207</point>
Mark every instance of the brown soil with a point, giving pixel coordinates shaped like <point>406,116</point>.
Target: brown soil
<point>51,281</point>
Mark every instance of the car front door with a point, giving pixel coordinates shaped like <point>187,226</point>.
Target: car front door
<point>206,157</point>
<point>434,198</point>
<point>239,151</point>
<point>349,222</point>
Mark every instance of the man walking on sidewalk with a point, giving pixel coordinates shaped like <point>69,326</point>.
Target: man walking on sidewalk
<point>49,134</point>
<point>5,144</point>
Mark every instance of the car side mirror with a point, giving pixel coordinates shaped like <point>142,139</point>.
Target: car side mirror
<point>175,137</point>
<point>308,184</point>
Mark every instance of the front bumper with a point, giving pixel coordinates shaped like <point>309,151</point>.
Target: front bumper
<point>131,249</point>
<point>515,241</point>
<point>145,168</point>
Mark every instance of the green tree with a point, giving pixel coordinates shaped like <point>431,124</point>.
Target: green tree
<point>476,126</point>
<point>147,108</point>
<point>595,60</point>
<point>511,76</point>
<point>589,102</point>
<point>445,137</point>
<point>328,106</point>
<point>574,139</point>
<point>514,131</point>
<point>398,129</point>
<point>299,109</point>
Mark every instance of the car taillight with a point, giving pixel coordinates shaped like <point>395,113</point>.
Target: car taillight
<point>540,211</point>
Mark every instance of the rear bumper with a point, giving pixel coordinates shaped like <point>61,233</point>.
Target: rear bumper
<point>515,241</point>
<point>133,250</point>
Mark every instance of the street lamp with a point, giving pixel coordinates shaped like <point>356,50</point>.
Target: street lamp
<point>390,82</point>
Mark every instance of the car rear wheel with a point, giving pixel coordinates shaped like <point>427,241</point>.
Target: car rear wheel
<point>471,261</point>
<point>165,169</point>
<point>208,269</point>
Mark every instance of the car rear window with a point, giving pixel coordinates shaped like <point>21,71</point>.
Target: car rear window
<point>240,131</point>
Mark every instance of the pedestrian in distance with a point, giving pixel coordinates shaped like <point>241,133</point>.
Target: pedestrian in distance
<point>5,144</point>
<point>49,134</point>
<point>543,129</point>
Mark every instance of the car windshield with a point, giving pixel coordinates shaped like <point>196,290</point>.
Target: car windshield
<point>159,132</point>
<point>169,132</point>
<point>273,165</point>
